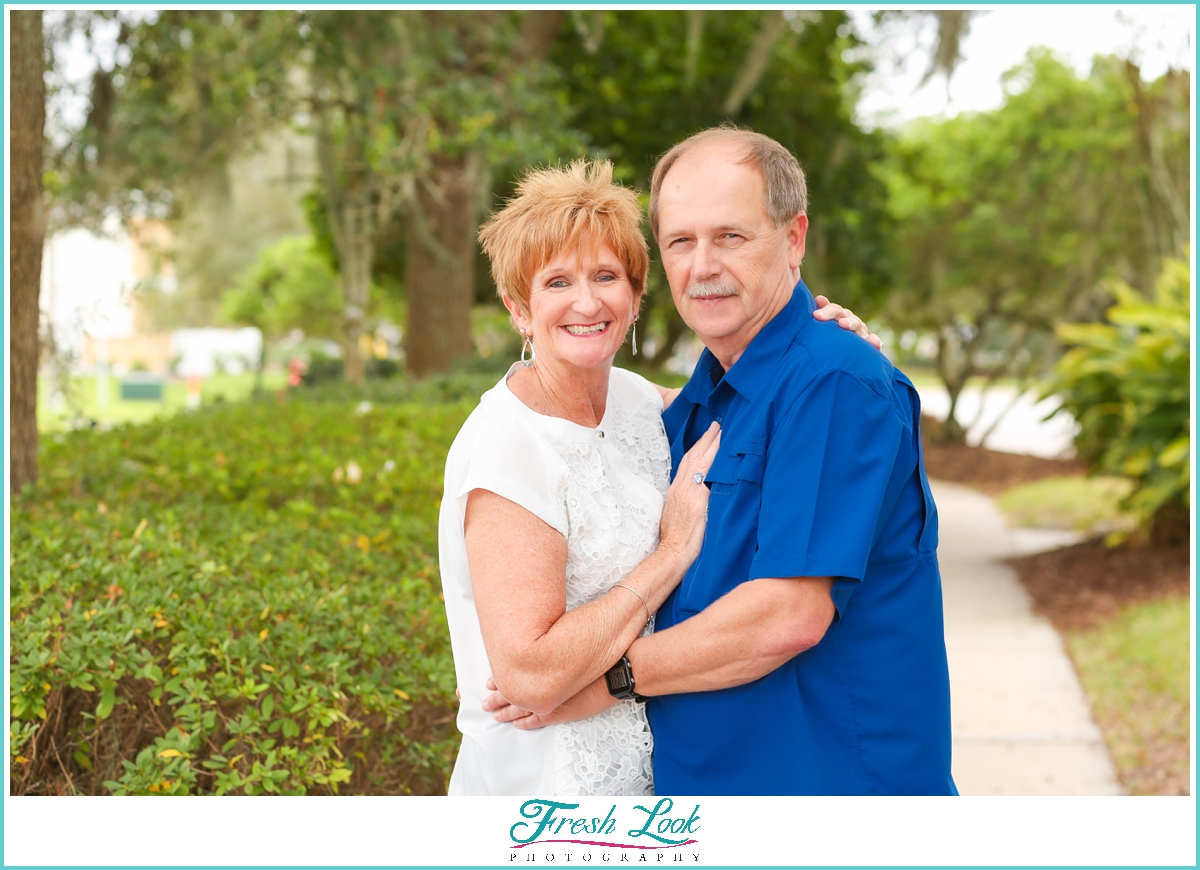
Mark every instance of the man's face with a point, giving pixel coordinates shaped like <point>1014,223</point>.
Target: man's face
<point>729,269</point>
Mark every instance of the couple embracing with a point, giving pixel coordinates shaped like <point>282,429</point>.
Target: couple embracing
<point>729,589</point>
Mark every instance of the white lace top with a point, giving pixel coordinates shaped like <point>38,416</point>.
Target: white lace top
<point>603,490</point>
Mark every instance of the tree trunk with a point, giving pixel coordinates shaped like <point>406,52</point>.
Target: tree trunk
<point>952,431</point>
<point>757,58</point>
<point>353,219</point>
<point>440,273</point>
<point>28,235</point>
<point>440,228</point>
<point>356,249</point>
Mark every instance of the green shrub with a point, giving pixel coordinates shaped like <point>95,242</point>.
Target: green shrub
<point>241,600</point>
<point>1127,382</point>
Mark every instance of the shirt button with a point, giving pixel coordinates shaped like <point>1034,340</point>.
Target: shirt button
<point>601,433</point>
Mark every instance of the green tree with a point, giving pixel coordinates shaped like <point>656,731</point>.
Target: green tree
<point>640,81</point>
<point>1011,220</point>
<point>182,93</point>
<point>290,286</point>
<point>467,92</point>
<point>403,106</point>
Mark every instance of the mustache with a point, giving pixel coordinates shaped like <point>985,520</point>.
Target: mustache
<point>709,289</point>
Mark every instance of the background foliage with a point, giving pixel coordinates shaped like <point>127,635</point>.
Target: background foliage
<point>1127,382</point>
<point>1012,220</point>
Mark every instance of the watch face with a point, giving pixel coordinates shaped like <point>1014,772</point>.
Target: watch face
<point>619,680</point>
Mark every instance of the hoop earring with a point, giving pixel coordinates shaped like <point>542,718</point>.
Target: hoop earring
<point>528,346</point>
<point>634,339</point>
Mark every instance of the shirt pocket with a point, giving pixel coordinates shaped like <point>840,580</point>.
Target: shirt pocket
<point>741,463</point>
<point>731,536</point>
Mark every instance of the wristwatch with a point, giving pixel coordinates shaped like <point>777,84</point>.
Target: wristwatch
<point>620,681</point>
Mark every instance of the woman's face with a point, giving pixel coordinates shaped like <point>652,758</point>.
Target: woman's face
<point>580,307</point>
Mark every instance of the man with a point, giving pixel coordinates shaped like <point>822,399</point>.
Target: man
<point>803,652</point>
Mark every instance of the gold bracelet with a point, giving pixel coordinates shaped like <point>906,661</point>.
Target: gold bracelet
<point>640,598</point>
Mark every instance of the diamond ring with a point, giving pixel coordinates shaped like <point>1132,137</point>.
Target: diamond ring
<point>698,477</point>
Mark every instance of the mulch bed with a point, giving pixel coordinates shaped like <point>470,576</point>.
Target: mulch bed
<point>1080,586</point>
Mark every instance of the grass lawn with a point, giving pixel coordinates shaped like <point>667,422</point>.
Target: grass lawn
<point>216,388</point>
<point>1135,670</point>
<point>1083,504</point>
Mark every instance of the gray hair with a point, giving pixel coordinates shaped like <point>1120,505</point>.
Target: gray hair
<point>786,194</point>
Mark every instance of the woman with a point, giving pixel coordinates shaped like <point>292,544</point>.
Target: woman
<point>559,535</point>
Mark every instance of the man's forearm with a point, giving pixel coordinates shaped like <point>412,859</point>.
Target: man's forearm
<point>743,636</point>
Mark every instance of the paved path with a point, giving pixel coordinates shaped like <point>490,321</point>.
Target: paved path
<point>1021,723</point>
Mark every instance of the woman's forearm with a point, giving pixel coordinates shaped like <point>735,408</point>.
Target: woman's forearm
<point>585,642</point>
<point>541,653</point>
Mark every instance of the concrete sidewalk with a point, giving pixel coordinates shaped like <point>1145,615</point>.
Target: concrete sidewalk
<point>1022,725</point>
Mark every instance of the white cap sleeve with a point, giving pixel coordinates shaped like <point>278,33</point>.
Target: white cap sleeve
<point>513,460</point>
<point>636,388</point>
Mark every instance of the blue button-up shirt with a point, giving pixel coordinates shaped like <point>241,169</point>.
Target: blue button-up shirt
<point>819,474</point>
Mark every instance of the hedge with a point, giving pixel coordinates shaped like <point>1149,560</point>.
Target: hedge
<point>241,600</point>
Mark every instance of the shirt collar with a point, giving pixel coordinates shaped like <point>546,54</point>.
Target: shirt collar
<point>704,379</point>
<point>766,348</point>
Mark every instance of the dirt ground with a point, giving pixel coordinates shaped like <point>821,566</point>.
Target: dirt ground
<point>1076,587</point>
<point>1080,586</point>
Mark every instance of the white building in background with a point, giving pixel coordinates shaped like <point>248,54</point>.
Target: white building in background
<point>87,298</point>
<point>205,352</point>
<point>87,281</point>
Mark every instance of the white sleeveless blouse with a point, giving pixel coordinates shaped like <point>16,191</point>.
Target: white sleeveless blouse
<point>603,490</point>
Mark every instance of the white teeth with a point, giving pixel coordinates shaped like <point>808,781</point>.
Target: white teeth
<point>586,330</point>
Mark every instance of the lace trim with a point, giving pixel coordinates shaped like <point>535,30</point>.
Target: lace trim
<point>612,526</point>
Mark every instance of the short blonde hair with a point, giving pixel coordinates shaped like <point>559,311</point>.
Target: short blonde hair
<point>552,211</point>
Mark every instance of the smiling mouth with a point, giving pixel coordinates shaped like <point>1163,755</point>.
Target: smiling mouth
<point>591,329</point>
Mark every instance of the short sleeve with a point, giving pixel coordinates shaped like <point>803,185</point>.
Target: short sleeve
<point>516,462</point>
<point>827,471</point>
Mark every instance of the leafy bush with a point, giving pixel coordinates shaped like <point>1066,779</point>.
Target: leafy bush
<point>1128,384</point>
<point>322,368</point>
<point>241,600</point>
